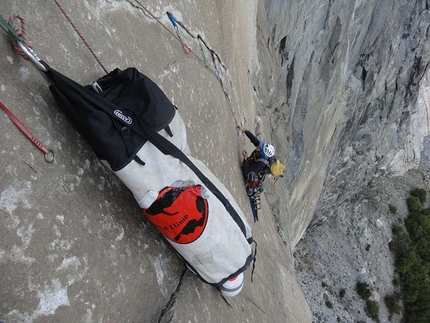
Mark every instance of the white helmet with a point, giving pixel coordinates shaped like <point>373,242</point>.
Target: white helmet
<point>269,150</point>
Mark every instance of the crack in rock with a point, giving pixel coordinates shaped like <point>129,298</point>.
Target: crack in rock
<point>168,311</point>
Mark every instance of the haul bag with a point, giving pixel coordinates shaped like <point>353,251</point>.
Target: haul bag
<point>154,156</point>
<point>192,218</point>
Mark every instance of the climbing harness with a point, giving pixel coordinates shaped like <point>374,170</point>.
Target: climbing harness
<point>186,48</point>
<point>254,187</point>
<point>49,154</point>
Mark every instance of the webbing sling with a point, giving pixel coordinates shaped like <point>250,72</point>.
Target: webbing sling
<point>164,145</point>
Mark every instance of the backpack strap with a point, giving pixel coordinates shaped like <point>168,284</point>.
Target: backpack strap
<point>264,161</point>
<point>167,148</point>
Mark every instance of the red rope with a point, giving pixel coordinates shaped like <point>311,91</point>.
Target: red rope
<point>21,33</point>
<point>80,35</point>
<point>186,48</point>
<point>189,50</point>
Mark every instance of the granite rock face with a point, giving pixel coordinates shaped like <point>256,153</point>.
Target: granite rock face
<point>350,74</point>
<point>74,245</point>
<point>354,83</point>
<point>331,84</point>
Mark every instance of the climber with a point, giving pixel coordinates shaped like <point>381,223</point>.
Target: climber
<point>258,162</point>
<point>255,168</point>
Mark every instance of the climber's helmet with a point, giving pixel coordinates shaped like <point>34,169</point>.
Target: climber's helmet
<point>269,150</point>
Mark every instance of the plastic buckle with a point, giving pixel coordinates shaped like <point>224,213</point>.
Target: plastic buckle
<point>96,87</point>
<point>125,132</point>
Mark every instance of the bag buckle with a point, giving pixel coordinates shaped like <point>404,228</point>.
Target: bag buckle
<point>125,132</point>
<point>96,87</point>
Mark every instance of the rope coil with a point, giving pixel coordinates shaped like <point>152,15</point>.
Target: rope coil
<point>19,35</point>
<point>18,38</point>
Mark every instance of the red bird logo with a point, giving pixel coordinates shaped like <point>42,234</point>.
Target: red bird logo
<point>179,213</point>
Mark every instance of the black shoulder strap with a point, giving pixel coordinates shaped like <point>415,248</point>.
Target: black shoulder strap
<point>167,148</point>
<point>264,161</point>
<point>164,145</point>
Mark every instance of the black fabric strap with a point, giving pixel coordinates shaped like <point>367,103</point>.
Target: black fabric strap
<point>264,161</point>
<point>164,145</point>
<point>167,148</point>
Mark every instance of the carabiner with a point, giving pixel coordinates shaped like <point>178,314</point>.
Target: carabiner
<point>32,56</point>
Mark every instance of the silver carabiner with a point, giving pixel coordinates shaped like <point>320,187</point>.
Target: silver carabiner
<point>32,56</point>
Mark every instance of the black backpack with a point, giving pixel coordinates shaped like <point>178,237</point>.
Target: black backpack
<point>111,138</point>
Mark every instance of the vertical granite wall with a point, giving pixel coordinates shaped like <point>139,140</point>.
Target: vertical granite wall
<point>349,77</point>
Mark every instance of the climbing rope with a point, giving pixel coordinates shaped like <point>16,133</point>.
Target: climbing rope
<point>80,35</point>
<point>272,234</point>
<point>18,34</point>
<point>49,154</point>
<point>261,307</point>
<point>186,48</point>
<point>214,57</point>
<point>18,38</point>
<point>175,36</point>
<point>276,295</point>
